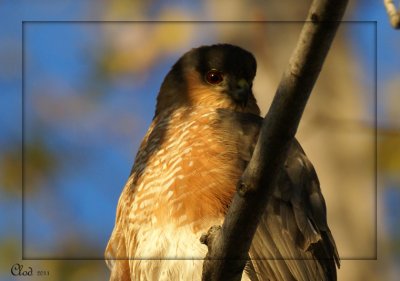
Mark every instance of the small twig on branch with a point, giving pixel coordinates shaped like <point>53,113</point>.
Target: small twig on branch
<point>228,245</point>
<point>394,15</point>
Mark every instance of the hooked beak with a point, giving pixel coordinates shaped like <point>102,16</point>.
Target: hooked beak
<point>241,92</point>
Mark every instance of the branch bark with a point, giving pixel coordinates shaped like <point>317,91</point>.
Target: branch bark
<point>229,244</point>
<point>394,15</point>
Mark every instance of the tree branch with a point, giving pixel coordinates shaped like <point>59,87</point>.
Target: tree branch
<point>394,15</point>
<point>228,245</point>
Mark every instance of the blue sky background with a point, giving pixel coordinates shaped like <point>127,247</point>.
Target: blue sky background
<point>94,155</point>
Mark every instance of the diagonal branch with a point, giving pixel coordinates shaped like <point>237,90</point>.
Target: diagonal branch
<point>394,15</point>
<point>229,244</point>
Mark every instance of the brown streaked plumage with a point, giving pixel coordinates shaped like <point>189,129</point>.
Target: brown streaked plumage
<point>185,172</point>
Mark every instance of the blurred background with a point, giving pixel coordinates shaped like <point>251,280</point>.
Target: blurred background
<point>89,96</point>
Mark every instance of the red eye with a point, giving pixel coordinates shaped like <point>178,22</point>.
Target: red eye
<point>214,77</point>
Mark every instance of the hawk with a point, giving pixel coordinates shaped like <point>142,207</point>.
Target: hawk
<point>202,136</point>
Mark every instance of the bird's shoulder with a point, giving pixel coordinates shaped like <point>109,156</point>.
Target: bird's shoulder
<point>293,240</point>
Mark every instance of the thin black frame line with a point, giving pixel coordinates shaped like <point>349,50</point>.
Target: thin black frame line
<point>177,258</point>
<point>23,139</point>
<point>376,133</point>
<point>375,34</point>
<point>187,21</point>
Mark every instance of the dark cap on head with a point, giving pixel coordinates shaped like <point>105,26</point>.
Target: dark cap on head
<point>225,71</point>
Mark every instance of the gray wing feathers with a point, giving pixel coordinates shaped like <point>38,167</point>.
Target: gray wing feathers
<point>293,240</point>
<point>294,226</point>
<point>293,237</point>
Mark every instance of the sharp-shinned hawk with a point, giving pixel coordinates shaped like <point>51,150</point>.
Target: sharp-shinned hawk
<point>201,138</point>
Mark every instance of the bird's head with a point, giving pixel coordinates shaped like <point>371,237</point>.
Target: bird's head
<point>216,76</point>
